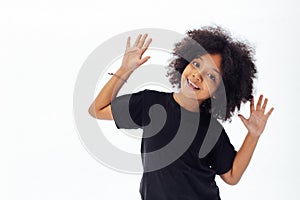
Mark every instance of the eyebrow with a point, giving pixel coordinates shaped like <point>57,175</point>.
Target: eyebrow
<point>199,58</point>
<point>215,69</point>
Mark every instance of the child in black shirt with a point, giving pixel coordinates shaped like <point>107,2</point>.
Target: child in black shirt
<point>182,157</point>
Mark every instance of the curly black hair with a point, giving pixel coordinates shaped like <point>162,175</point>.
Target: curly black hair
<point>238,68</point>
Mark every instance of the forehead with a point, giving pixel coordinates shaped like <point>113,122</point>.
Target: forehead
<point>211,60</point>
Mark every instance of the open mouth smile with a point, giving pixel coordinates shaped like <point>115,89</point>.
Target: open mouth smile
<point>192,85</point>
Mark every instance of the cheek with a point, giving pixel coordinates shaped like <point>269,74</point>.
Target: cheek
<point>184,75</point>
<point>211,86</point>
<point>188,69</point>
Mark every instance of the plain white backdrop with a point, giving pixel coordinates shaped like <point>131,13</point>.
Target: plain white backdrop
<point>43,45</point>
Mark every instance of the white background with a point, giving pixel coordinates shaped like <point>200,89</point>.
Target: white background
<point>42,47</point>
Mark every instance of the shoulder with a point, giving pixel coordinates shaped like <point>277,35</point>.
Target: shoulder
<point>151,93</point>
<point>154,92</point>
<point>223,137</point>
<point>211,122</point>
<point>216,131</point>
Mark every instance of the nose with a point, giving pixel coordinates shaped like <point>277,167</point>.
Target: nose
<point>197,75</point>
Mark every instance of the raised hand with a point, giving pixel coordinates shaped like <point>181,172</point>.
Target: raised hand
<point>257,121</point>
<point>132,58</point>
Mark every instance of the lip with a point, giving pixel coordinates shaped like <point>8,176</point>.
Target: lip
<point>192,85</point>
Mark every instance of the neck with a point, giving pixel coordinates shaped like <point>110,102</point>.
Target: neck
<point>187,103</point>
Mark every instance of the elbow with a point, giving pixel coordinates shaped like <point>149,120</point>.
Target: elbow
<point>232,182</point>
<point>94,113</point>
<point>104,114</point>
<point>230,178</point>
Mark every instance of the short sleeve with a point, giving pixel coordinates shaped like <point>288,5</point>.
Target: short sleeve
<point>128,110</point>
<point>222,155</point>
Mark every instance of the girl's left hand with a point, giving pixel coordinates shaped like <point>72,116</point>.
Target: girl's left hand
<point>257,121</point>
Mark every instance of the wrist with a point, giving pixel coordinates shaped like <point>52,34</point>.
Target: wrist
<point>123,70</point>
<point>253,135</point>
<point>122,74</point>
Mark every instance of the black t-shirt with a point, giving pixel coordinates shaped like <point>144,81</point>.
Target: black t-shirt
<point>182,151</point>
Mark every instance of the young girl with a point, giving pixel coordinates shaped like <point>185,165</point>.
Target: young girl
<point>221,71</point>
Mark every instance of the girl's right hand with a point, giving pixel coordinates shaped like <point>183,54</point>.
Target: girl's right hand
<point>132,58</point>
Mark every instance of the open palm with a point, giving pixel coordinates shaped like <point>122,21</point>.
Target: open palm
<point>132,58</point>
<point>257,121</point>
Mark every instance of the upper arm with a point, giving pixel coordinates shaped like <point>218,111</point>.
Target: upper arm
<point>104,114</point>
<point>227,177</point>
<point>126,110</point>
<point>222,155</point>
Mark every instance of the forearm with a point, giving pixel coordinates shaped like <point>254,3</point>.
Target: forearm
<point>243,157</point>
<point>110,90</point>
<point>255,125</point>
<point>132,59</point>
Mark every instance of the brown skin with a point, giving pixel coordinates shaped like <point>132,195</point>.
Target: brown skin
<point>132,59</point>
<point>255,125</point>
<point>203,73</point>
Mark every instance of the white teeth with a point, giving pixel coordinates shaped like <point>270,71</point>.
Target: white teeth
<point>195,86</point>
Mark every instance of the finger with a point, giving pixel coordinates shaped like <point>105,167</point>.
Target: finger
<point>142,41</point>
<point>252,105</point>
<point>258,105</point>
<point>270,112</point>
<point>264,105</point>
<point>137,40</point>
<point>145,59</point>
<point>128,43</point>
<point>147,45</point>
<point>244,120</point>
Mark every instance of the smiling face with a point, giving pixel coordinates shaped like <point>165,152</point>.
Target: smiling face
<point>201,77</point>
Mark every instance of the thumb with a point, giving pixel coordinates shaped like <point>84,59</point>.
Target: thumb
<point>145,60</point>
<point>244,120</point>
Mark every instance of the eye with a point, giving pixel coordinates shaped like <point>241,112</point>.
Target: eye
<point>212,77</point>
<point>196,64</point>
